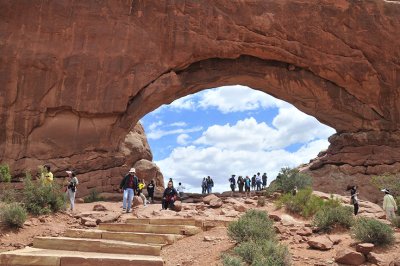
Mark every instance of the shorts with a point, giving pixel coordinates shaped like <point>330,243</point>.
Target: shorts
<point>233,187</point>
<point>247,189</point>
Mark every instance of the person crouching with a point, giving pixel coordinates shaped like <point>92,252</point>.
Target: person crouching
<point>169,197</point>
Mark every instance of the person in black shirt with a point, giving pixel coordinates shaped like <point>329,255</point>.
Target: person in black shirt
<point>169,197</point>
<point>129,184</point>
<point>150,191</point>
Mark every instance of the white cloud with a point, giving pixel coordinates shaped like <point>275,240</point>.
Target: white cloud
<point>186,103</point>
<point>182,139</point>
<point>178,124</point>
<point>159,133</point>
<point>154,125</point>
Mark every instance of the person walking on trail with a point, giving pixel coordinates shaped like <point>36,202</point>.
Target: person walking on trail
<point>141,186</point>
<point>264,181</point>
<point>180,189</point>
<point>169,197</point>
<point>389,205</point>
<point>204,186</point>
<point>247,184</point>
<point>71,188</point>
<point>253,182</point>
<point>210,184</point>
<point>258,182</point>
<point>150,191</point>
<point>240,183</point>
<point>353,197</point>
<point>129,184</point>
<point>232,183</point>
<point>47,175</point>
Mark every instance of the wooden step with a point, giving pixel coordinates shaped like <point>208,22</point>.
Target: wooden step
<point>47,257</point>
<point>95,245</point>
<point>151,228</point>
<point>160,239</point>
<point>165,221</point>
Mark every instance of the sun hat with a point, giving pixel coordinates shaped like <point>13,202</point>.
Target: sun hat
<point>132,170</point>
<point>68,172</point>
<point>385,190</point>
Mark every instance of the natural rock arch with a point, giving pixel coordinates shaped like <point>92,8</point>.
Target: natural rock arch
<point>76,75</point>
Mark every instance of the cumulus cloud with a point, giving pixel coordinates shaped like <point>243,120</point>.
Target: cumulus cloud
<point>159,133</point>
<point>182,139</point>
<point>185,103</point>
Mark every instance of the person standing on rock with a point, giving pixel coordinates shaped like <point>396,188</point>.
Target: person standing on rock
<point>258,182</point>
<point>247,184</point>
<point>253,182</point>
<point>210,184</point>
<point>353,197</point>
<point>71,188</point>
<point>240,183</point>
<point>129,184</point>
<point>180,189</point>
<point>150,191</point>
<point>232,183</point>
<point>264,181</point>
<point>169,197</point>
<point>389,205</point>
<point>204,186</point>
<point>47,176</point>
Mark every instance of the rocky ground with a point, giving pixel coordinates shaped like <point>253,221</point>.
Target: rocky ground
<point>306,247</point>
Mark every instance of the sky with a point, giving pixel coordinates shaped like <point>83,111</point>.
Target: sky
<point>230,130</point>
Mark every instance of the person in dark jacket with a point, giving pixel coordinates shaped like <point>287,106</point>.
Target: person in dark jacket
<point>129,184</point>
<point>150,191</point>
<point>169,197</point>
<point>264,180</point>
<point>353,197</point>
<point>240,183</point>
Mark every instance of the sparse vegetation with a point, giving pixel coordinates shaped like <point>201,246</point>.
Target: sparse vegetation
<point>303,203</point>
<point>288,179</point>
<point>5,175</point>
<point>93,197</point>
<point>229,260</point>
<point>331,216</point>
<point>396,222</point>
<point>13,215</point>
<point>391,182</point>
<point>373,231</point>
<point>261,201</point>
<point>42,199</point>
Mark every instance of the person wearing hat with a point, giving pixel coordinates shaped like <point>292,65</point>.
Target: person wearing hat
<point>232,182</point>
<point>389,205</point>
<point>129,184</point>
<point>71,188</point>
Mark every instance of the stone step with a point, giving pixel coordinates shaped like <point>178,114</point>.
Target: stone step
<point>165,221</point>
<point>96,245</point>
<point>160,239</point>
<point>48,257</point>
<point>151,228</point>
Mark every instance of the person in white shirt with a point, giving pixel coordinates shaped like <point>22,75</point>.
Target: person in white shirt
<point>389,205</point>
<point>180,189</point>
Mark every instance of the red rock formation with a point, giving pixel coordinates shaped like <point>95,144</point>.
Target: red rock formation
<point>76,76</point>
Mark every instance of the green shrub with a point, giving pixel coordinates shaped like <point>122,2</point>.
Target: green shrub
<point>264,253</point>
<point>13,215</point>
<point>373,231</point>
<point>396,222</point>
<point>5,175</point>
<point>93,196</point>
<point>389,181</point>
<point>8,194</point>
<point>330,216</point>
<point>42,199</point>
<point>303,203</point>
<point>397,199</point>
<point>261,201</point>
<point>252,226</point>
<point>288,179</point>
<point>231,261</point>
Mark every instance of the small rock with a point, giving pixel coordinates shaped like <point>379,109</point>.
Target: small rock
<point>274,216</point>
<point>90,224</point>
<point>249,201</point>
<point>305,231</point>
<point>79,200</point>
<point>320,243</point>
<point>395,262</point>
<point>216,203</point>
<point>178,206</point>
<point>208,198</point>
<point>349,257</point>
<point>335,239</point>
<point>364,248</point>
<point>42,220</point>
<point>137,201</point>
<point>99,208</point>
<point>375,258</point>
<point>240,207</point>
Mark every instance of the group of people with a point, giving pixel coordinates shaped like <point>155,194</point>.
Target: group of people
<point>257,182</point>
<point>389,203</point>
<point>206,185</point>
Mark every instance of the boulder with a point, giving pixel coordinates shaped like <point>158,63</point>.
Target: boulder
<point>375,258</point>
<point>305,231</point>
<point>216,203</point>
<point>178,206</point>
<point>349,257</point>
<point>395,262</point>
<point>365,248</point>
<point>240,207</point>
<point>208,198</point>
<point>137,201</point>
<point>320,243</point>
<point>99,207</point>
<point>335,239</point>
<point>275,216</point>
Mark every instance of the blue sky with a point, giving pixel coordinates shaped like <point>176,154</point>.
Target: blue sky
<point>230,130</point>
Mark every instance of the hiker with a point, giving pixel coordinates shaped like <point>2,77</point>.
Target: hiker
<point>258,182</point>
<point>71,188</point>
<point>210,184</point>
<point>253,182</point>
<point>150,191</point>
<point>264,181</point>
<point>294,191</point>
<point>353,198</point>
<point>129,184</point>
<point>180,189</point>
<point>247,184</point>
<point>240,183</point>
<point>141,186</point>
<point>170,180</point>
<point>204,186</point>
<point>232,182</point>
<point>47,176</point>
<point>169,197</point>
<point>389,205</point>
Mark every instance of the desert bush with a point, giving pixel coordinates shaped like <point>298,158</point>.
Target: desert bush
<point>330,216</point>
<point>397,199</point>
<point>288,179</point>
<point>389,181</point>
<point>396,222</point>
<point>40,199</point>
<point>373,231</point>
<point>93,197</point>
<point>303,203</point>
<point>13,215</point>
<point>5,175</point>
<point>261,201</point>
<point>228,260</point>
<point>252,226</point>
<point>264,253</point>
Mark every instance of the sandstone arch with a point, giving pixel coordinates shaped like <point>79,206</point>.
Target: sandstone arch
<point>76,75</point>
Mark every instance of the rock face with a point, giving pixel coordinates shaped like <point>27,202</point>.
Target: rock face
<point>77,76</point>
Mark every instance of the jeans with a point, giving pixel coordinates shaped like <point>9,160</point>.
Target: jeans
<point>71,196</point>
<point>168,204</point>
<point>209,189</point>
<point>128,196</point>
